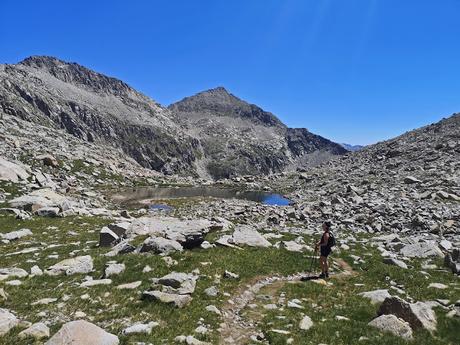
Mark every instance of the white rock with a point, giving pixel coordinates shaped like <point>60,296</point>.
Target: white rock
<point>306,323</point>
<point>213,309</point>
<point>114,269</point>
<point>36,271</point>
<point>130,286</point>
<point>14,235</point>
<point>82,332</point>
<point>392,324</point>
<point>145,328</point>
<point>438,286</point>
<point>95,282</point>
<point>80,264</point>
<point>246,235</point>
<point>37,330</point>
<point>7,321</point>
<point>376,296</point>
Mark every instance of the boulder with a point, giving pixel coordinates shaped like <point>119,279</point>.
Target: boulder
<point>47,212</point>
<point>113,269</point>
<point>418,315</point>
<point>79,264</point>
<point>376,296</point>
<point>411,180</point>
<point>107,237</point>
<point>178,282</point>
<point>7,321</point>
<point>123,247</point>
<point>140,328</point>
<point>421,250</point>
<point>6,273</point>
<point>37,331</point>
<point>395,262</point>
<point>179,301</point>
<point>246,235</point>
<point>160,245</point>
<point>95,282</point>
<point>13,172</point>
<point>48,160</point>
<point>119,228</point>
<point>189,233</point>
<point>14,235</point>
<point>82,332</point>
<point>391,323</point>
<point>306,323</point>
<point>129,286</point>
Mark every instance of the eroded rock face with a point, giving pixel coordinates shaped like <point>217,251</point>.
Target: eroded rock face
<point>82,333</point>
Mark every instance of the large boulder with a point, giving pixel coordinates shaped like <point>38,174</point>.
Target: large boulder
<point>418,315</point>
<point>6,273</point>
<point>79,264</point>
<point>107,237</point>
<point>189,233</point>
<point>246,235</point>
<point>82,332</point>
<point>392,324</point>
<point>7,321</point>
<point>178,282</point>
<point>179,301</point>
<point>422,250</point>
<point>160,245</point>
<point>41,198</point>
<point>376,296</point>
<point>14,235</point>
<point>13,172</point>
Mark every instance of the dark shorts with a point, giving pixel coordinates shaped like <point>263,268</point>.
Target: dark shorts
<point>325,251</point>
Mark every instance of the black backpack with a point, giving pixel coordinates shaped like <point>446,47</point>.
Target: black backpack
<point>331,241</point>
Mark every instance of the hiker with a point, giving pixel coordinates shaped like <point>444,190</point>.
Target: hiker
<point>325,245</point>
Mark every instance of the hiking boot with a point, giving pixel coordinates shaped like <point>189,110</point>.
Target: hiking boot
<point>322,275</point>
<point>327,274</point>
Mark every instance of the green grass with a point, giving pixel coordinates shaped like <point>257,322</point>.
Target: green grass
<point>115,309</point>
<point>323,303</point>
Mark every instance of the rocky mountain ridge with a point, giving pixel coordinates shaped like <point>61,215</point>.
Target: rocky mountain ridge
<point>96,108</point>
<point>244,138</point>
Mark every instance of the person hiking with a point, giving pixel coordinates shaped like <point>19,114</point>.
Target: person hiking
<point>325,245</point>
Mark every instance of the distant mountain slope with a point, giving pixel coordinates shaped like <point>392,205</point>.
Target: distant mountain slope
<point>352,148</point>
<point>213,134</point>
<point>241,138</point>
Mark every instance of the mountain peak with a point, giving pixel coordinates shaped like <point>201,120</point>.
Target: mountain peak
<point>41,61</point>
<point>219,102</point>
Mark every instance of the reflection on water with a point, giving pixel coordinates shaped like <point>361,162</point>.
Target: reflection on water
<point>158,193</point>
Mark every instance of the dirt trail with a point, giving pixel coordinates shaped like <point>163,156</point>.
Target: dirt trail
<point>236,329</point>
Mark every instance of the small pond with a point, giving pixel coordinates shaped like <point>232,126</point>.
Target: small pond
<point>143,194</point>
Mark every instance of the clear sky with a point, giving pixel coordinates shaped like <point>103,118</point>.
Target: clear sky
<point>355,71</point>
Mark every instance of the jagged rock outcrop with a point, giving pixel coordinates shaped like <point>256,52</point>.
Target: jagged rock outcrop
<point>240,138</point>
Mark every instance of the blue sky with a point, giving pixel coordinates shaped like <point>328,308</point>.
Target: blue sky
<point>355,71</point>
